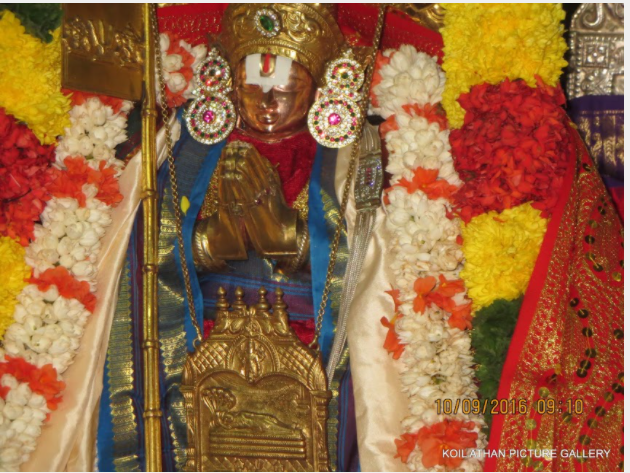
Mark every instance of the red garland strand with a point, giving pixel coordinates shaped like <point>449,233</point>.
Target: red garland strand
<point>25,172</point>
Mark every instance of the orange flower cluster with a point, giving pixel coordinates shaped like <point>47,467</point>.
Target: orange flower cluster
<point>42,381</point>
<point>426,180</point>
<point>392,342</point>
<point>69,182</point>
<point>431,291</point>
<point>380,62</point>
<point>79,98</point>
<point>437,439</point>
<point>67,286</point>
<point>433,114</point>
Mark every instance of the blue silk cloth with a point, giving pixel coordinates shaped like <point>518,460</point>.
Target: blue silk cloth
<point>120,433</point>
<point>600,122</point>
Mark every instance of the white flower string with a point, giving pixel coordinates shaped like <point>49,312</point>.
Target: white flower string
<point>407,79</point>
<point>96,130</point>
<point>48,326</point>
<point>437,362</point>
<point>179,62</point>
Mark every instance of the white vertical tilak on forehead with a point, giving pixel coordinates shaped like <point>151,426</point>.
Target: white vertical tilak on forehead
<point>280,75</point>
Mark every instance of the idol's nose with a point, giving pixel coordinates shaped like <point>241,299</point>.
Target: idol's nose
<point>268,101</point>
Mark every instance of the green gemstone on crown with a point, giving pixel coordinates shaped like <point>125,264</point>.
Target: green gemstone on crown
<point>267,23</point>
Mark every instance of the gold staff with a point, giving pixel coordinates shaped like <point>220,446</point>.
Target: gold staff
<point>150,345</point>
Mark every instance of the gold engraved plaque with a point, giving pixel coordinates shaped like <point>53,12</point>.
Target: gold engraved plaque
<point>255,395</point>
<point>103,48</point>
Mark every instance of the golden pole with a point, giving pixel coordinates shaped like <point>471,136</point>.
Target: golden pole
<point>150,345</point>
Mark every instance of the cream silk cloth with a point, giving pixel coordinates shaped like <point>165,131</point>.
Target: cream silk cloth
<point>379,401</point>
<point>68,440</point>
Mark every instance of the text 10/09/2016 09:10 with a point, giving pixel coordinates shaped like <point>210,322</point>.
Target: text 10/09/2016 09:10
<point>509,406</point>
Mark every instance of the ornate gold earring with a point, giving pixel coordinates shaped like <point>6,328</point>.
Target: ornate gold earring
<point>333,120</point>
<point>211,117</point>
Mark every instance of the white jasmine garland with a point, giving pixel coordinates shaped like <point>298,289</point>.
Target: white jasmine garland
<point>70,236</point>
<point>22,415</point>
<point>173,64</point>
<point>437,360</point>
<point>411,77</point>
<point>47,327</point>
<point>96,130</point>
<point>419,143</point>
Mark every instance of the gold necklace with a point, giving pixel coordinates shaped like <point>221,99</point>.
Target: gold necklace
<point>256,397</point>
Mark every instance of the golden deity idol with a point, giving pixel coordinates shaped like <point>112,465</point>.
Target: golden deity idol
<point>279,54</point>
<point>256,397</point>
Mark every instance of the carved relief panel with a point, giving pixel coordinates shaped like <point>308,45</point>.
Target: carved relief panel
<point>255,396</point>
<point>596,42</point>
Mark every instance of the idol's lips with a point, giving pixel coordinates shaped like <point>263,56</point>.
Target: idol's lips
<point>267,118</point>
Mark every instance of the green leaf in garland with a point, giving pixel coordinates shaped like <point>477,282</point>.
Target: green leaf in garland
<point>39,19</point>
<point>492,331</point>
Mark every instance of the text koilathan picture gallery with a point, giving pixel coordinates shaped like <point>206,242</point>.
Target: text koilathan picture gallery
<point>311,237</point>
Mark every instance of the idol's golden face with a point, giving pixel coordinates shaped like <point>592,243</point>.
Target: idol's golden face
<point>279,113</point>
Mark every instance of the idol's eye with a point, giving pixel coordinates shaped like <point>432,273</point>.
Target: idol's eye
<point>293,85</point>
<point>251,88</point>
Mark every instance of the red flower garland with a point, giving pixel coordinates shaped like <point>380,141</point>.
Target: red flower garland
<point>511,149</point>
<point>24,174</point>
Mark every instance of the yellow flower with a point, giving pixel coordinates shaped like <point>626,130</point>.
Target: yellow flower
<point>500,252</point>
<point>486,43</point>
<point>13,273</point>
<point>30,82</point>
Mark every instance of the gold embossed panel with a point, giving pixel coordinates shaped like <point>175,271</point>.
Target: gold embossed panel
<point>103,48</point>
<point>255,396</point>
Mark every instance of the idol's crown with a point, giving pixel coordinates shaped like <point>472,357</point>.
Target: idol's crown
<point>305,32</point>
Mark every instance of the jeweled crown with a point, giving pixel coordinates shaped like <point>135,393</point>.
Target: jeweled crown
<point>305,32</point>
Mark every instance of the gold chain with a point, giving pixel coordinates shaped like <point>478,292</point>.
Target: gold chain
<point>173,178</point>
<point>350,175</point>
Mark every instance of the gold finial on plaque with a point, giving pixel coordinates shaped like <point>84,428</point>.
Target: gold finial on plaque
<point>255,395</point>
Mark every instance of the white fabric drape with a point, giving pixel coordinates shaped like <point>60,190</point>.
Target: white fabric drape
<point>379,402</point>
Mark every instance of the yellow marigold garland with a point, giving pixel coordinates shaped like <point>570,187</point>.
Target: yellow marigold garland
<point>485,43</point>
<point>13,273</point>
<point>500,251</point>
<point>30,82</point>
